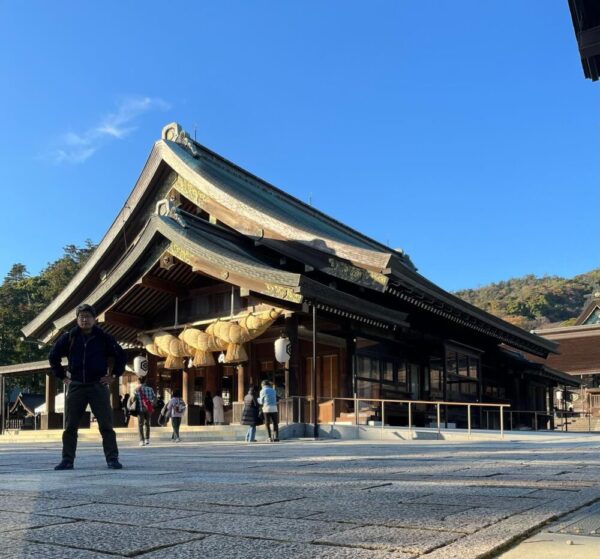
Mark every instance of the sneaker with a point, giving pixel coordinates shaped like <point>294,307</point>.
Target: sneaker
<point>114,464</point>
<point>64,465</point>
<point>142,443</point>
<point>147,442</point>
<point>177,440</point>
<point>275,440</point>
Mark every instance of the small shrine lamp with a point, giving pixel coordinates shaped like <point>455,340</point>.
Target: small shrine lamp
<point>221,358</point>
<point>283,349</point>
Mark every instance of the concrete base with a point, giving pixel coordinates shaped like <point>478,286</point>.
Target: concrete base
<point>387,433</point>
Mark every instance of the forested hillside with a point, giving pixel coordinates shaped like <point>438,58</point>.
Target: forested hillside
<point>23,296</point>
<point>532,302</point>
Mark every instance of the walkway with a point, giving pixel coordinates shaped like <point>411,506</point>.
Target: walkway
<point>305,499</point>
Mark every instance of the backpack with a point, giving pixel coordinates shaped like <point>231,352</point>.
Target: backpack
<point>180,406</point>
<point>146,404</point>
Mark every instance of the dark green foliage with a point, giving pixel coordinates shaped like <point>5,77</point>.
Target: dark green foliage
<point>532,302</point>
<point>22,297</point>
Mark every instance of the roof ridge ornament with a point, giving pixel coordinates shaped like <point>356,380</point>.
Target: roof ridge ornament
<point>166,208</point>
<point>175,133</point>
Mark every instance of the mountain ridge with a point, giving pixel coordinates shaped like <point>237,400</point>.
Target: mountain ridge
<point>535,302</point>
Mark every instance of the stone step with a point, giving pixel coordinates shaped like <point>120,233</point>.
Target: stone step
<point>207,433</point>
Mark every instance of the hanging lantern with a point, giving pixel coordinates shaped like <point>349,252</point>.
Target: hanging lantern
<point>221,357</point>
<point>283,349</point>
<point>140,366</point>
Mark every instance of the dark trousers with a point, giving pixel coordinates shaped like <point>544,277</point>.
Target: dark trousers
<point>272,418</point>
<point>98,397</point>
<point>175,423</point>
<point>144,425</point>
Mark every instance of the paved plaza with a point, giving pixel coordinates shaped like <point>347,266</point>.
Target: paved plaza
<point>305,499</point>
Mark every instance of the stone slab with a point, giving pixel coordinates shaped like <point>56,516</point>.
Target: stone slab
<point>21,549</point>
<point>225,547</point>
<point>11,521</point>
<point>124,514</point>
<point>392,539</point>
<point>108,538</point>
<point>283,529</point>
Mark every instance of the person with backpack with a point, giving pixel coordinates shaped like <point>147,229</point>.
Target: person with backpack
<point>90,352</point>
<point>145,398</point>
<point>175,409</point>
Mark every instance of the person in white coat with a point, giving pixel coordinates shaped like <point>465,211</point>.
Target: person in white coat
<point>218,409</point>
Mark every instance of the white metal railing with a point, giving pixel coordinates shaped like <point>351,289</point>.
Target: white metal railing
<point>299,409</point>
<point>534,419</point>
<point>372,404</point>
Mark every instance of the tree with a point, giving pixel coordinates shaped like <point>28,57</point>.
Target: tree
<point>22,297</point>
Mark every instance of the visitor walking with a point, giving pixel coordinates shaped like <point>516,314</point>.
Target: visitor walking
<point>88,350</point>
<point>208,408</point>
<point>175,409</point>
<point>145,398</point>
<point>268,400</point>
<point>218,409</point>
<point>250,414</point>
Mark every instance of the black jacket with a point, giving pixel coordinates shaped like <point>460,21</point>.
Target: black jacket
<point>88,356</point>
<point>250,411</point>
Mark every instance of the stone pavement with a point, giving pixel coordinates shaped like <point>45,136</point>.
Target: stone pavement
<point>305,499</point>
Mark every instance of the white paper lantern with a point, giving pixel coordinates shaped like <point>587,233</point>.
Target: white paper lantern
<point>283,349</point>
<point>559,394</point>
<point>140,366</point>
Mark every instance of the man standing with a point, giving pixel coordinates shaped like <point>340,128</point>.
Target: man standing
<point>268,400</point>
<point>88,349</point>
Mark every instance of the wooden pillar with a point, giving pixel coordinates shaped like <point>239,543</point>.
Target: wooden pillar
<point>50,393</point>
<point>292,366</point>
<point>349,386</point>
<point>114,394</point>
<point>241,392</point>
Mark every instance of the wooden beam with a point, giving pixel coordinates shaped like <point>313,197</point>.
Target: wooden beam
<point>589,42</point>
<point>126,320</point>
<point>166,286</point>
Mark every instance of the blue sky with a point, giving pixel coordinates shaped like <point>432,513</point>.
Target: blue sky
<point>463,132</point>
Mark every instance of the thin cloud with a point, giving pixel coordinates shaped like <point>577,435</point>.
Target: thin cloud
<point>77,147</point>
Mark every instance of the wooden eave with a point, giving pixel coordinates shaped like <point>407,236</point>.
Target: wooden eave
<point>539,369</point>
<point>199,245</point>
<point>585,15</point>
<point>417,290</point>
<point>195,246</point>
<point>258,209</point>
<point>592,305</point>
<point>30,368</point>
<point>349,306</point>
<point>128,220</point>
<point>567,332</point>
